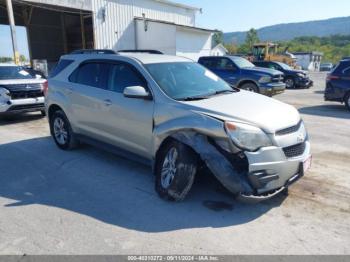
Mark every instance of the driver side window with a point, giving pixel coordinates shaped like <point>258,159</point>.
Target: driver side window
<point>123,75</point>
<point>225,64</point>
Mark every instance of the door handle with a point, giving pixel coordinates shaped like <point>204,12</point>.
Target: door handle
<point>107,102</point>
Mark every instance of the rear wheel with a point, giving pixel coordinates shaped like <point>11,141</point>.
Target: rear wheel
<point>176,168</point>
<point>250,87</point>
<point>347,100</point>
<point>290,83</point>
<point>62,132</point>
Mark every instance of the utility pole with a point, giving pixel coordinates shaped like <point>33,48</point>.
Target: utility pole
<point>13,30</point>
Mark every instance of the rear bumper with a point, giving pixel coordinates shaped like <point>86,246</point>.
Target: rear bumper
<point>334,94</point>
<point>22,105</point>
<point>271,89</point>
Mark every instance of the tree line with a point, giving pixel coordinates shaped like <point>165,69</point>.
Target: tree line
<point>334,47</point>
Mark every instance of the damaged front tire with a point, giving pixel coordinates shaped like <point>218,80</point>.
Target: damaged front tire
<point>176,168</point>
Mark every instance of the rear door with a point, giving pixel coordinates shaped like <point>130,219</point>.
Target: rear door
<point>88,97</point>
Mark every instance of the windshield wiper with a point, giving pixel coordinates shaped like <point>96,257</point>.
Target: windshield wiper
<point>193,98</point>
<point>224,91</point>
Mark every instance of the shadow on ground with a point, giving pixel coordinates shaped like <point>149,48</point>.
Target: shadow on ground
<point>19,118</point>
<point>100,185</point>
<point>337,111</point>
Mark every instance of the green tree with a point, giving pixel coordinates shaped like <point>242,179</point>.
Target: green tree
<point>218,38</point>
<point>22,58</point>
<point>5,59</point>
<point>252,38</point>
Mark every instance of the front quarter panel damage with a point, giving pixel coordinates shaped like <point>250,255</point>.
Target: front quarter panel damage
<point>194,130</point>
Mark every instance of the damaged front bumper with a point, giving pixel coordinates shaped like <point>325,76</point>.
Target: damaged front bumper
<point>268,172</point>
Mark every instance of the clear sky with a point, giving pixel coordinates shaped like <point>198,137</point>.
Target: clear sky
<point>241,15</point>
<point>6,43</point>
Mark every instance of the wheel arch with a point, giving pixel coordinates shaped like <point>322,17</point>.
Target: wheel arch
<point>248,81</point>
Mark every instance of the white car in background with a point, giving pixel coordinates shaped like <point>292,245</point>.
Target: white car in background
<point>21,90</point>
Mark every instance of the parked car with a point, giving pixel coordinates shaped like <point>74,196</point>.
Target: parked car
<point>338,84</point>
<point>177,116</point>
<point>292,77</point>
<point>326,67</point>
<point>241,73</point>
<point>21,90</point>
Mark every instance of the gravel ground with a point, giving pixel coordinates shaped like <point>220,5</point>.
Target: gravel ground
<point>92,202</point>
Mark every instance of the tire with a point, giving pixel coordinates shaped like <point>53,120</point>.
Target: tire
<point>347,100</point>
<point>250,87</point>
<point>290,83</point>
<point>43,113</point>
<point>176,168</point>
<point>62,132</point>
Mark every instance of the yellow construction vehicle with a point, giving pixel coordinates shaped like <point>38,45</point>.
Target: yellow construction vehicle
<point>269,52</point>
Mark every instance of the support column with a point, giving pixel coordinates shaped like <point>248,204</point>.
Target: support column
<point>82,27</point>
<point>13,30</point>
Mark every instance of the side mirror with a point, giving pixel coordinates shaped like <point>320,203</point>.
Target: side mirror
<point>136,92</point>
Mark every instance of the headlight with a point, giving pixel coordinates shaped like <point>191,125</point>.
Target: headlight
<point>4,94</point>
<point>301,75</point>
<point>265,79</point>
<point>247,137</point>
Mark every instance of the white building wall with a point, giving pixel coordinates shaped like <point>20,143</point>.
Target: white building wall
<point>114,20</point>
<point>192,43</point>
<point>158,36</point>
<point>76,4</point>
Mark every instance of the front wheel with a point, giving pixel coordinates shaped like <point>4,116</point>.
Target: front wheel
<point>62,132</point>
<point>176,168</point>
<point>250,87</point>
<point>290,83</point>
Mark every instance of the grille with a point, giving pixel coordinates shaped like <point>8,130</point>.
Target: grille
<point>23,87</point>
<point>26,94</point>
<point>26,107</point>
<point>294,151</point>
<point>277,79</point>
<point>289,130</point>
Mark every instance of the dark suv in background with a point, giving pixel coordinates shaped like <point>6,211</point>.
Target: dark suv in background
<point>338,84</point>
<point>292,77</point>
<point>243,74</point>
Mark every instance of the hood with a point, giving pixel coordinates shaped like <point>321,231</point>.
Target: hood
<point>266,113</point>
<point>6,82</point>
<point>262,70</point>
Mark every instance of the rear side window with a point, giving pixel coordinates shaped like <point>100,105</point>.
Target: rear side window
<point>62,64</point>
<point>122,76</point>
<point>91,74</point>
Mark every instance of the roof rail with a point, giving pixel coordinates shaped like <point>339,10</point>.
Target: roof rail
<point>93,51</point>
<point>154,52</point>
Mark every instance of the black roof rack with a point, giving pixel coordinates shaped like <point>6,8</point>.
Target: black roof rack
<point>154,52</point>
<point>94,51</point>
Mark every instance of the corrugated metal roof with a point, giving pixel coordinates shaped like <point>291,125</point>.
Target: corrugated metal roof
<point>178,4</point>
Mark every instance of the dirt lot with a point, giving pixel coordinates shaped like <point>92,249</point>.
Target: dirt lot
<point>91,202</point>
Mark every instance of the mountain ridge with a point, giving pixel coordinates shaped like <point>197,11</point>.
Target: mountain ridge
<point>289,31</point>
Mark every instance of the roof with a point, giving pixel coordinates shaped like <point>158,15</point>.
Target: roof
<point>142,57</point>
<point>179,25</point>
<point>155,59</point>
<point>220,46</point>
<point>178,5</point>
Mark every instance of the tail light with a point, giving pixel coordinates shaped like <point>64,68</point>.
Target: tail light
<point>332,77</point>
<point>45,87</point>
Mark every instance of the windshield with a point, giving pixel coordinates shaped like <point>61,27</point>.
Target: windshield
<point>242,62</point>
<point>284,66</point>
<point>15,72</point>
<point>186,80</point>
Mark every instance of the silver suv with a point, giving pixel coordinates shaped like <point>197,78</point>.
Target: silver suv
<point>178,117</point>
